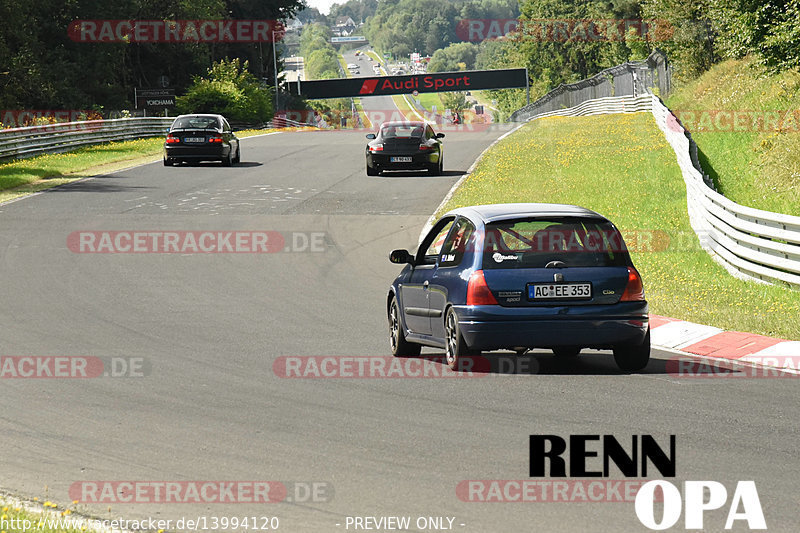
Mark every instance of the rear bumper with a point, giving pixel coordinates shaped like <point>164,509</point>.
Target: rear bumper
<point>493,327</point>
<point>418,161</point>
<point>197,153</point>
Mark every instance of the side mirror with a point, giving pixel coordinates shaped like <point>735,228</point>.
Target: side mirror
<point>440,135</point>
<point>371,136</point>
<point>401,257</point>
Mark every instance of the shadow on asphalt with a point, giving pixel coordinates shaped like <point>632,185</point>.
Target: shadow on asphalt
<point>217,164</point>
<point>96,185</point>
<point>419,174</point>
<point>588,363</point>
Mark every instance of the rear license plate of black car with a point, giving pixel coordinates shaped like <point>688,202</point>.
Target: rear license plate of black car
<point>560,291</point>
<point>400,159</point>
<point>194,140</point>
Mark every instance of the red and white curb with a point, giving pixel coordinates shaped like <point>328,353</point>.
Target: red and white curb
<point>709,341</point>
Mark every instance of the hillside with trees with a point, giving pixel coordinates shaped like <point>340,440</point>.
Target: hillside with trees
<point>694,34</point>
<point>407,26</point>
<point>43,68</point>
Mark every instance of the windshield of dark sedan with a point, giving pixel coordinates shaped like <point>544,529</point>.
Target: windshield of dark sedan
<point>533,243</point>
<point>402,131</point>
<point>196,123</point>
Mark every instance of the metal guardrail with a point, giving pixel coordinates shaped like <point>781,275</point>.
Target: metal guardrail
<point>63,137</point>
<point>17,143</point>
<point>634,78</point>
<point>281,121</point>
<point>749,243</point>
<point>604,106</point>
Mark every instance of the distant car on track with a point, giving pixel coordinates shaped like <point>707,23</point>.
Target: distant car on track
<point>195,138</point>
<point>405,146</point>
<point>520,276</point>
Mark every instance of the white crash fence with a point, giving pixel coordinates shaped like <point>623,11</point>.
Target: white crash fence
<point>65,136</point>
<point>749,243</point>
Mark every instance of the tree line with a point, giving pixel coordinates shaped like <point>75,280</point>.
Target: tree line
<point>695,34</point>
<point>43,66</point>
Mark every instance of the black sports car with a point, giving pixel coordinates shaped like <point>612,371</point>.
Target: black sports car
<point>404,146</point>
<point>201,138</point>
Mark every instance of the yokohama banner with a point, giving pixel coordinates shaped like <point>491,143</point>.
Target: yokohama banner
<point>472,80</point>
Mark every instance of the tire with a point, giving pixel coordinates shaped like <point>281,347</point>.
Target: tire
<point>168,162</point>
<point>633,357</point>
<point>238,158</point>
<point>372,171</point>
<point>397,339</point>
<point>456,348</point>
<point>567,351</point>
<point>228,161</point>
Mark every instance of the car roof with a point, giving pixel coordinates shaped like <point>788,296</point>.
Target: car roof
<point>199,115</point>
<point>495,212</point>
<point>406,123</point>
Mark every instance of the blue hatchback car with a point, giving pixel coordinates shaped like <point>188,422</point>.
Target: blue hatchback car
<point>520,276</point>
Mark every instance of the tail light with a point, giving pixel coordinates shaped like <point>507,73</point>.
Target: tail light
<point>634,290</point>
<point>478,292</point>
<point>424,147</point>
<point>216,139</point>
<point>376,148</point>
<point>171,139</point>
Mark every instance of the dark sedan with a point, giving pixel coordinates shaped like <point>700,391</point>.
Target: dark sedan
<point>405,146</point>
<point>195,138</point>
<point>520,276</point>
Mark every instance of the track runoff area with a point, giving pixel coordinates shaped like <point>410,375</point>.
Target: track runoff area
<point>472,80</point>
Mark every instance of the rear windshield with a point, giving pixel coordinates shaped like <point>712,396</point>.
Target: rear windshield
<point>196,123</point>
<point>407,132</point>
<point>533,243</point>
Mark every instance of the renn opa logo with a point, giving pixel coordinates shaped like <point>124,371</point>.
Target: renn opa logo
<point>592,456</point>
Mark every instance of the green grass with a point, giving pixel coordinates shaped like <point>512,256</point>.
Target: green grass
<point>343,63</point>
<point>753,166</point>
<point>38,521</point>
<point>365,121</point>
<point>622,167</point>
<point>428,100</point>
<point>408,111</point>
<point>25,176</point>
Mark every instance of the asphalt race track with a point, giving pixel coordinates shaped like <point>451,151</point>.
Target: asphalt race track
<point>210,327</point>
